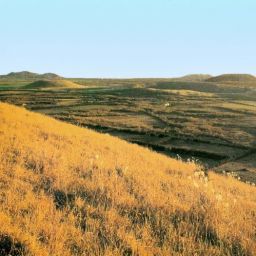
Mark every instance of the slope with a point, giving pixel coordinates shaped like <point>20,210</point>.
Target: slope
<point>52,84</point>
<point>243,78</point>
<point>193,78</point>
<point>66,190</point>
<point>26,75</point>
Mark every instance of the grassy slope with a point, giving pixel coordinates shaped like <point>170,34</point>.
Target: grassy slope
<point>194,78</point>
<point>233,78</point>
<point>52,84</point>
<point>65,190</point>
<point>26,75</point>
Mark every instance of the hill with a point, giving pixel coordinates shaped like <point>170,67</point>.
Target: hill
<point>194,78</point>
<point>25,75</point>
<point>66,190</point>
<point>244,78</point>
<point>52,84</point>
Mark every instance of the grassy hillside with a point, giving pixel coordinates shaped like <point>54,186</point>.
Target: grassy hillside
<point>52,84</point>
<point>194,78</point>
<point>233,78</point>
<point>26,75</point>
<point>66,190</point>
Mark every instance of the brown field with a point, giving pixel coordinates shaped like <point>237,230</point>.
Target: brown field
<point>66,190</point>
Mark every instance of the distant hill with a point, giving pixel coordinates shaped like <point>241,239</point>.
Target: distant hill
<point>52,84</point>
<point>226,78</point>
<point>26,75</point>
<point>194,78</point>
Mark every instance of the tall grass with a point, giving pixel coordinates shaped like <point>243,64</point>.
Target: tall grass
<point>65,190</point>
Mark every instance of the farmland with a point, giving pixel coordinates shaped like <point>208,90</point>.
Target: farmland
<point>208,122</point>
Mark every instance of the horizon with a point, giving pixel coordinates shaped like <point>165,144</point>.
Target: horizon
<point>124,78</point>
<point>128,39</point>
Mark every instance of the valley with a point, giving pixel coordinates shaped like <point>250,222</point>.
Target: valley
<point>211,123</point>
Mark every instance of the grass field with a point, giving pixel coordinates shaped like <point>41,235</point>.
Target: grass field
<point>66,190</point>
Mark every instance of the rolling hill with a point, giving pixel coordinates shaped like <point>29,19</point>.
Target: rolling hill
<point>226,78</point>
<point>66,190</point>
<point>25,75</point>
<point>52,84</point>
<point>193,78</point>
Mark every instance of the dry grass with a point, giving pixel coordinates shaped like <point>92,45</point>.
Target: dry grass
<point>65,190</point>
<point>52,84</point>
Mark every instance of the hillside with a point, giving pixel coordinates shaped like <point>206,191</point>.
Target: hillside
<point>66,190</point>
<point>52,84</point>
<point>25,75</point>
<point>194,78</point>
<point>244,78</point>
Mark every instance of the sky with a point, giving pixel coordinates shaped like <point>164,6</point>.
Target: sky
<point>128,38</point>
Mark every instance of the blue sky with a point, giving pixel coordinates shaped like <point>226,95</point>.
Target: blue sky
<point>128,38</point>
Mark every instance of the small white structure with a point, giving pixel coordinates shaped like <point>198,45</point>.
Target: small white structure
<point>167,104</point>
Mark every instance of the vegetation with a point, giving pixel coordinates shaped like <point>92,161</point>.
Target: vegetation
<point>25,75</point>
<point>194,78</point>
<point>210,122</point>
<point>233,78</point>
<point>66,190</point>
<point>52,84</point>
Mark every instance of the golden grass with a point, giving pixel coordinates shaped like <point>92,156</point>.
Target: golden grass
<point>53,84</point>
<point>66,190</point>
